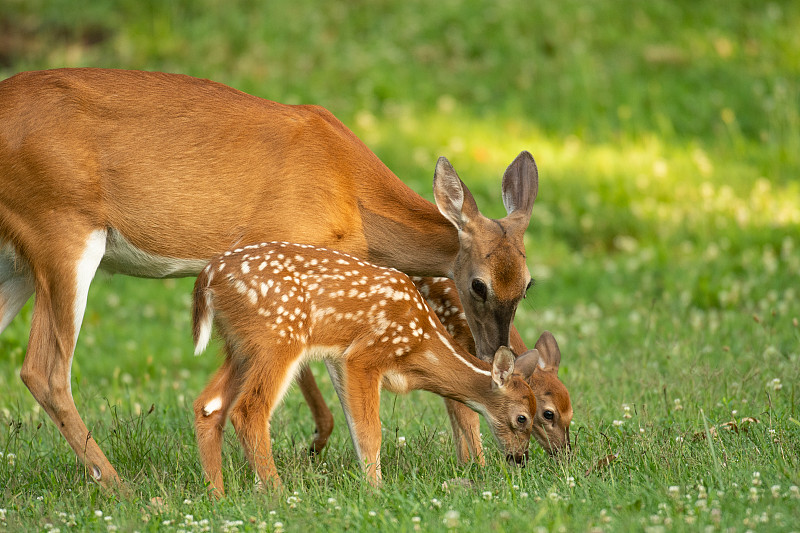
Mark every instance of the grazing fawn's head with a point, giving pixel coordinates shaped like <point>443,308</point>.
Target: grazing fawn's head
<point>511,408</point>
<point>489,270</point>
<point>553,407</point>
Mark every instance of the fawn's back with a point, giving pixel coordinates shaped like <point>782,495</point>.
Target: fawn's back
<point>321,304</point>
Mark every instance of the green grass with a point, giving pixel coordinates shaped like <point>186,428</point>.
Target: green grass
<point>665,243</point>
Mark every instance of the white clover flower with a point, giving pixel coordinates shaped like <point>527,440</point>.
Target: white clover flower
<point>677,405</point>
<point>373,513</point>
<point>754,494</point>
<point>416,520</point>
<point>756,479</point>
<point>775,384</point>
<point>570,481</point>
<point>98,513</point>
<point>701,503</point>
<point>618,423</point>
<point>187,501</point>
<point>401,442</point>
<point>108,518</point>
<point>679,439</point>
<point>523,494</point>
<point>794,490</point>
<point>451,518</point>
<point>331,501</point>
<point>436,503</point>
<point>674,490</point>
<point>626,409</point>
<point>776,491</point>
<point>487,495</point>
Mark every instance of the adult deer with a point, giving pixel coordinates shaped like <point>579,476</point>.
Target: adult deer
<point>540,365</point>
<point>279,305</point>
<point>152,174</point>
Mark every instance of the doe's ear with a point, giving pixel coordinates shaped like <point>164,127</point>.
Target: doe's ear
<point>453,198</point>
<point>520,185</point>
<point>548,352</point>
<point>528,362</point>
<point>502,366</point>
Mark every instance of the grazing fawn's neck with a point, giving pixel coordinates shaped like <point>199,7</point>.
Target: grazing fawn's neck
<point>452,372</point>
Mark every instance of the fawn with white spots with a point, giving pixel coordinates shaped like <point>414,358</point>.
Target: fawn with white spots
<point>278,306</point>
<point>553,405</point>
<point>151,174</point>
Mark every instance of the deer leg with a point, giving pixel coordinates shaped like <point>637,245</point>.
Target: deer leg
<point>466,432</point>
<point>16,286</point>
<point>262,389</point>
<point>323,419</point>
<point>210,414</point>
<point>361,402</point>
<point>61,291</point>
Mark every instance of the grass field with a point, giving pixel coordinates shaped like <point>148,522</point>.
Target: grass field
<point>665,243</point>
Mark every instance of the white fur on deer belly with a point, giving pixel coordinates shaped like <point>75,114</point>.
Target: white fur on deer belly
<point>122,257</point>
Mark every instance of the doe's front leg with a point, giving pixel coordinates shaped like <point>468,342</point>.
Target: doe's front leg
<point>466,432</point>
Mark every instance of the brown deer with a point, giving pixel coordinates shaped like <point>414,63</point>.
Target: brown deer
<point>279,305</point>
<point>151,174</point>
<point>553,405</point>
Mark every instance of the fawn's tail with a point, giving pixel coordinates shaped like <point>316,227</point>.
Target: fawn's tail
<point>202,311</point>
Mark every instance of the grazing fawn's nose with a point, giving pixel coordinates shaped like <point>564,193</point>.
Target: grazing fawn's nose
<point>517,458</point>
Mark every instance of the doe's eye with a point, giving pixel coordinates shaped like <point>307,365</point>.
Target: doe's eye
<point>479,288</point>
<point>549,415</point>
<point>530,284</point>
<point>521,419</point>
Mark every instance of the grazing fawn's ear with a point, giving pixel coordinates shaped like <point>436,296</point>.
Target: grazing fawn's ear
<point>502,366</point>
<point>549,354</point>
<point>453,198</point>
<point>520,185</point>
<point>527,363</point>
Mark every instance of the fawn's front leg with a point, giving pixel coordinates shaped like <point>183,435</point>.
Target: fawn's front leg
<point>466,432</point>
<point>361,399</point>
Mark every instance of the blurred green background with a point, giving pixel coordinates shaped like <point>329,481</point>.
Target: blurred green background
<point>664,240</point>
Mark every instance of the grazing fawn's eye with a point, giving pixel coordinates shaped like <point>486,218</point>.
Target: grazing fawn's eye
<point>521,419</point>
<point>549,415</point>
<point>479,288</point>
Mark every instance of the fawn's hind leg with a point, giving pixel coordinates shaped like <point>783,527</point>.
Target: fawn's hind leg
<point>268,377</point>
<point>210,413</point>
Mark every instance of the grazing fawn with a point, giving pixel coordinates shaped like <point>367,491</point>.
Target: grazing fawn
<point>279,305</point>
<point>553,405</point>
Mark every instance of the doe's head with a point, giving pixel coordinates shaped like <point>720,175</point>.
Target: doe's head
<point>489,272</point>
